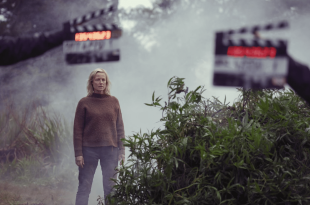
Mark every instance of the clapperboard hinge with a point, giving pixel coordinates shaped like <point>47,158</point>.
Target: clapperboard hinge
<point>76,27</point>
<point>223,36</point>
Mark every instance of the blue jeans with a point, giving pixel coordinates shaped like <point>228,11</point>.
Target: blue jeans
<point>108,160</point>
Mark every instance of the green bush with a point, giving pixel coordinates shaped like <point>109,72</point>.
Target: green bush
<point>253,152</point>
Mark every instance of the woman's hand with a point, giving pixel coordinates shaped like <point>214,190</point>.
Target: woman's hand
<point>79,161</point>
<point>121,158</point>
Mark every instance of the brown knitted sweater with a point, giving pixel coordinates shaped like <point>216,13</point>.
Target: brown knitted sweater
<point>98,122</point>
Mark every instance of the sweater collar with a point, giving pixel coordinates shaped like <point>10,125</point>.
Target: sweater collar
<point>97,95</point>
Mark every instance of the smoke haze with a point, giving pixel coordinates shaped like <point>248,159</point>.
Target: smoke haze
<point>181,45</point>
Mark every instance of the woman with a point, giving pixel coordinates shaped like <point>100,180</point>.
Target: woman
<point>98,130</point>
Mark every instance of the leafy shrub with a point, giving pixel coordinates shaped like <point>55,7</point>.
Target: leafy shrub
<point>253,152</point>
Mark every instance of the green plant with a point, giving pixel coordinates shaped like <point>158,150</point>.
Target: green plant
<point>35,145</point>
<point>253,152</point>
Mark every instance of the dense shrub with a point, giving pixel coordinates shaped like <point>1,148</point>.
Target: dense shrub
<point>253,152</point>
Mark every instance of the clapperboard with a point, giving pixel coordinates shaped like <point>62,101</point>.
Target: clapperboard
<point>250,63</point>
<point>92,43</point>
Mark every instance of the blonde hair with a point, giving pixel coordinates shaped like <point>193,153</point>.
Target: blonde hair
<point>90,88</point>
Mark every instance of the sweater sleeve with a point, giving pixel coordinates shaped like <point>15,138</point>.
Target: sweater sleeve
<point>120,131</point>
<point>78,129</point>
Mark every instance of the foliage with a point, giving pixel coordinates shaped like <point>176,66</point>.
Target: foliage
<point>35,146</point>
<point>253,152</point>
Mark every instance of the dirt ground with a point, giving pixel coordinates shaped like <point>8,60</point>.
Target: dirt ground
<point>16,194</point>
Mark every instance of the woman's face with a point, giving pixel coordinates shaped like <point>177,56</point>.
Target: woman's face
<point>99,83</point>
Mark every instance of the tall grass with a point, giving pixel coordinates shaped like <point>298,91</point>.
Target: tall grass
<point>35,146</point>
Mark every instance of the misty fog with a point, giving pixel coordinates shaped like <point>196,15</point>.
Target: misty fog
<point>181,44</point>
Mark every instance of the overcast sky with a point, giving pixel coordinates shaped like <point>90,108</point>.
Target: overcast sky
<point>133,3</point>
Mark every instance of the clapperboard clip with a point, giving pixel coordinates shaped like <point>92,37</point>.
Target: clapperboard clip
<point>250,63</point>
<point>91,43</point>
